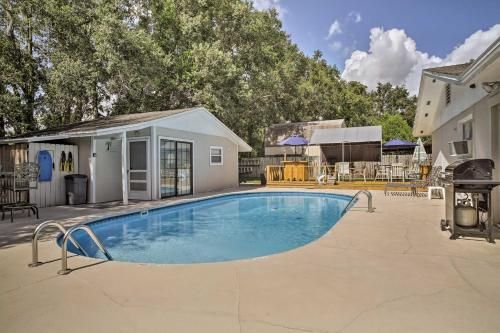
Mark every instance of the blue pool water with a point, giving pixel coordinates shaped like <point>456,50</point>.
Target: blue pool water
<point>217,229</point>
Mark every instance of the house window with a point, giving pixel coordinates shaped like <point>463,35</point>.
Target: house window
<point>448,94</point>
<point>216,155</point>
<point>467,130</point>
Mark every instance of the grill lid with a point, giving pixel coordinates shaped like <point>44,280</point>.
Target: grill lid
<point>471,169</point>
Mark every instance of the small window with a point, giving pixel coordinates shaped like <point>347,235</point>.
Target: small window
<point>467,130</point>
<point>216,155</point>
<point>448,94</point>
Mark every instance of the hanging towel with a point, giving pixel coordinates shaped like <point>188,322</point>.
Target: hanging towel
<point>45,163</point>
<point>70,162</point>
<point>62,161</point>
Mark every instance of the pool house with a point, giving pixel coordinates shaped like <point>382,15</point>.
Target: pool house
<point>141,156</point>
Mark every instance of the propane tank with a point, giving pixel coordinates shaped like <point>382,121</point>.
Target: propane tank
<point>465,216</point>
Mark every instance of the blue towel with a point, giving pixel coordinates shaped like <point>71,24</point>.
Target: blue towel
<point>45,163</point>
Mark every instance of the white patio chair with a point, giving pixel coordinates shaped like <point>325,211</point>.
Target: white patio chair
<point>382,172</point>
<point>397,171</point>
<point>343,170</point>
<point>360,172</point>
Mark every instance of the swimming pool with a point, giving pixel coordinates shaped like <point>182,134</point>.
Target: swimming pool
<point>222,228</point>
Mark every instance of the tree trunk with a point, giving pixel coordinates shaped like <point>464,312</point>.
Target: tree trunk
<point>96,101</point>
<point>2,126</point>
<point>29,117</point>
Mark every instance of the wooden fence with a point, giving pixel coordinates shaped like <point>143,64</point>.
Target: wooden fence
<point>12,154</point>
<point>254,167</point>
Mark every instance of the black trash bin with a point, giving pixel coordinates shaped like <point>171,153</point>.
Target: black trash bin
<point>76,189</point>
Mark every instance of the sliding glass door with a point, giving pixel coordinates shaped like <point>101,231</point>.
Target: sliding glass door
<point>176,168</point>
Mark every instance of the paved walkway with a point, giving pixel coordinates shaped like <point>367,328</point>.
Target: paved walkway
<point>389,271</point>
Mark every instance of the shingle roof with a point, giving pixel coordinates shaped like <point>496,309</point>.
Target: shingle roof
<point>455,70</point>
<point>349,134</point>
<point>278,132</point>
<point>103,123</point>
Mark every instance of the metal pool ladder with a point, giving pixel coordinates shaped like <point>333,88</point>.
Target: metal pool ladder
<point>368,194</point>
<point>36,235</point>
<point>67,237</point>
<point>64,257</point>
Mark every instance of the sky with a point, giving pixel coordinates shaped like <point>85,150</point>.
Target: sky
<point>391,40</point>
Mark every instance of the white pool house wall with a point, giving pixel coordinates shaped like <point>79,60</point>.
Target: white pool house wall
<point>106,159</point>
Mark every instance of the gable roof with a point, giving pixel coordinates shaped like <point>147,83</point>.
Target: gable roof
<point>433,83</point>
<point>198,120</point>
<point>450,70</point>
<point>346,135</point>
<point>102,123</point>
<point>278,132</point>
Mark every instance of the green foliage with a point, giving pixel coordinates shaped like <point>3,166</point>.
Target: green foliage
<point>65,61</point>
<point>394,126</point>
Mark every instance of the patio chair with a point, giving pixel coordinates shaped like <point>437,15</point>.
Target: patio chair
<point>343,170</point>
<point>382,172</point>
<point>412,188</point>
<point>327,176</point>
<point>360,172</point>
<point>413,172</point>
<point>397,171</point>
<point>24,178</point>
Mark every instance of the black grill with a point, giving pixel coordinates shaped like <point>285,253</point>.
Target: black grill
<point>468,185</point>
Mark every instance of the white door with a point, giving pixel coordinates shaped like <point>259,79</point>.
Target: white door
<point>139,169</point>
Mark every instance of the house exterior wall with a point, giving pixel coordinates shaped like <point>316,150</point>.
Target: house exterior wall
<point>462,98</point>
<point>53,192</point>
<point>83,154</point>
<point>108,176</point>
<point>485,138</point>
<point>207,177</point>
<point>451,131</point>
<point>495,140</point>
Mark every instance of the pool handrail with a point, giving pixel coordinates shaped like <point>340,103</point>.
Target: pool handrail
<point>368,194</point>
<point>36,234</point>
<point>64,246</point>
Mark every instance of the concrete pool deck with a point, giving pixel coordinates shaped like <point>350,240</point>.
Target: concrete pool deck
<point>393,270</point>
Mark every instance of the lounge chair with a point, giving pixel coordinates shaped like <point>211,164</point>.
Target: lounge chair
<point>432,183</point>
<point>412,188</point>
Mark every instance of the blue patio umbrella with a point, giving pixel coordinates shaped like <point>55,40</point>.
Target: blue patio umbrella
<point>399,144</point>
<point>294,140</point>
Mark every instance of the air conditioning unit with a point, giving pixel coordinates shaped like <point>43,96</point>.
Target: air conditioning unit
<point>460,149</point>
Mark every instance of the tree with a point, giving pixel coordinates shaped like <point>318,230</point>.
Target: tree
<point>65,61</point>
<point>389,99</point>
<point>21,64</point>
<point>394,126</point>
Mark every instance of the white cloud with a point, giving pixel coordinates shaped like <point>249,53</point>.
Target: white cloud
<point>393,57</point>
<point>336,45</point>
<point>354,16</point>
<point>268,4</point>
<point>334,29</point>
